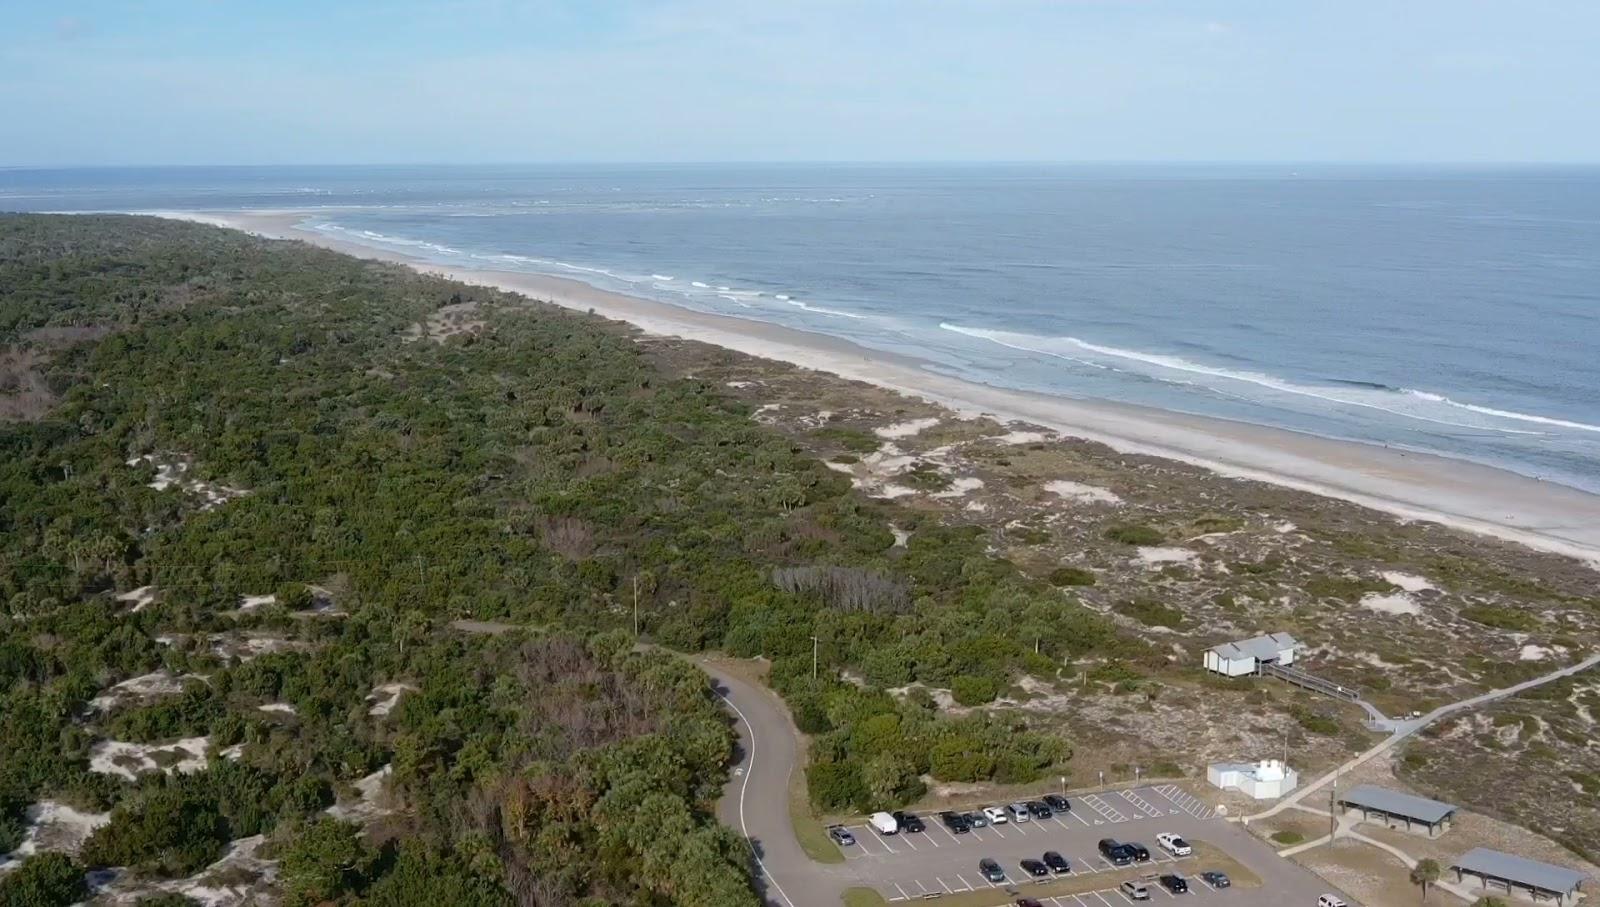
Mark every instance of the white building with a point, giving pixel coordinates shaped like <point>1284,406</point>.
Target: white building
<point>1236,659</point>
<point>1264,780</point>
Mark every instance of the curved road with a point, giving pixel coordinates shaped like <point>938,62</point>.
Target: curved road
<point>756,799</point>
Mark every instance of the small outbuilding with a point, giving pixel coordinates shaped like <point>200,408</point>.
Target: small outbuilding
<point>1512,873</point>
<point>1392,807</point>
<point>1264,780</point>
<point>1236,659</point>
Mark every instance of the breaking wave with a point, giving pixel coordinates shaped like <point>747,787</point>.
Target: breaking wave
<point>1406,403</point>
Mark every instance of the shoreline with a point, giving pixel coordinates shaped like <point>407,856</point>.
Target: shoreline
<point>1463,495</point>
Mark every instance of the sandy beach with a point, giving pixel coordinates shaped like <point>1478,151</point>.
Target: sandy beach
<point>1467,496</point>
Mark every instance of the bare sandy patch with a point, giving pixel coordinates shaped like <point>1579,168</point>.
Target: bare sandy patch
<point>960,487</point>
<point>1082,494</point>
<point>370,799</point>
<point>140,598</point>
<point>905,429</point>
<point>145,686</point>
<point>386,697</point>
<point>1153,556</point>
<point>1397,603</point>
<point>130,760</point>
<point>1408,582</point>
<point>55,827</point>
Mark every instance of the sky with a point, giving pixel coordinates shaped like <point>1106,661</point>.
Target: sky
<point>119,82</point>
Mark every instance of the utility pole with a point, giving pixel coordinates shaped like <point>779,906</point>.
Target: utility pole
<point>1333,807</point>
<point>636,606</point>
<point>813,658</point>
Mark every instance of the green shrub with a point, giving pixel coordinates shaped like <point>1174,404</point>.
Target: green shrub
<point>851,439</point>
<point>43,880</point>
<point>1071,576</point>
<point>971,690</point>
<point>1314,722</point>
<point>1134,534</point>
<point>1501,618</point>
<point>1151,613</point>
<point>836,785</point>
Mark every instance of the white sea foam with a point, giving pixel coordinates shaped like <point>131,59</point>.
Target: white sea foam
<point>661,277</point>
<point>1383,399</point>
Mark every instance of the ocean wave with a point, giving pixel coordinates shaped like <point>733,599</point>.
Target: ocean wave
<point>1365,394</point>
<point>661,277</point>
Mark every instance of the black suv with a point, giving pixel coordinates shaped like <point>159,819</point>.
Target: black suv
<point>1141,853</point>
<point>991,870</point>
<point>1175,883</point>
<point>956,822</point>
<point>1057,802</point>
<point>1038,810</point>
<point>1056,862</point>
<point>1035,868</point>
<point>910,822</point>
<point>1216,879</point>
<point>1115,854</point>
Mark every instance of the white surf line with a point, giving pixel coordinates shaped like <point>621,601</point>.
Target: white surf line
<point>743,786</point>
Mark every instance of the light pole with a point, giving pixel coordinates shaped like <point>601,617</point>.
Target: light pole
<point>813,658</point>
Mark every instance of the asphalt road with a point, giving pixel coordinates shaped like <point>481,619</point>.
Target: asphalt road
<point>756,803</point>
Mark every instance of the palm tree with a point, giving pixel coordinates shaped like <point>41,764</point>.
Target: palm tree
<point>1425,873</point>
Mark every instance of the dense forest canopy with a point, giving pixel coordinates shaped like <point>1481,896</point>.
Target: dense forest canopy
<point>245,469</point>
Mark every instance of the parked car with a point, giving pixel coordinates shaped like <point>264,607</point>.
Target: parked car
<point>1140,853</point>
<point>1057,802</point>
<point>884,824</point>
<point>1174,883</point>
<point>991,870</point>
<point>1056,862</point>
<point>956,822</point>
<point>995,815</point>
<point>910,822</point>
<point>1038,809</point>
<point>1331,900</point>
<point>978,819</point>
<point>1217,879</point>
<point>1019,812</point>
<point>1116,854</point>
<point>1173,844</point>
<point>1135,890</point>
<point>841,835</point>
<point>1028,902</point>
<point>1035,868</point>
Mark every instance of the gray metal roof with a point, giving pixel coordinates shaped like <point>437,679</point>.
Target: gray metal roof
<point>1267,646</point>
<point>1520,870</point>
<point>1397,804</point>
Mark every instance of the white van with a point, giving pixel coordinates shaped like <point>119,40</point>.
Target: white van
<point>995,815</point>
<point>884,824</point>
<point>1331,900</point>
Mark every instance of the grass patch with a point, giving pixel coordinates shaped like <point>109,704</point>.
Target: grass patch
<point>863,897</point>
<point>1288,837</point>
<point>1501,618</point>
<point>1135,534</point>
<point>1344,588</point>
<point>1151,613</point>
<point>849,438</point>
<point>1071,576</point>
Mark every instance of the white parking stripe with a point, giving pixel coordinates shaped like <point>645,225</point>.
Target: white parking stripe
<point>947,888</point>
<point>902,891</point>
<point>906,840</point>
<point>964,882</point>
<point>1103,897</point>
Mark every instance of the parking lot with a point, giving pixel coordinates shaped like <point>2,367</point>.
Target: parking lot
<point>937,862</point>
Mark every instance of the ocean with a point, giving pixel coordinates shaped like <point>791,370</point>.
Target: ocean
<point>1452,310</point>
